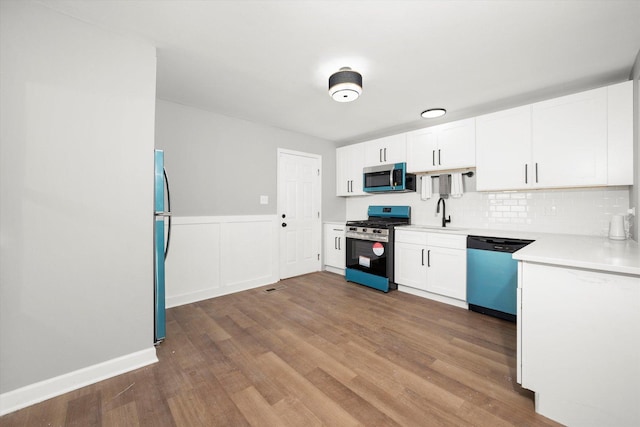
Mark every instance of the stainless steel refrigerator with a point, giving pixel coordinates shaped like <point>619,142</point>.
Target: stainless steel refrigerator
<point>162,200</point>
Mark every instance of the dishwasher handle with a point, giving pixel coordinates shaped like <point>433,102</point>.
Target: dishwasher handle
<point>496,244</point>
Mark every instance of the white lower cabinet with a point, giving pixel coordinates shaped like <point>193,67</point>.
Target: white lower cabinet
<point>334,247</point>
<point>431,262</point>
<point>447,272</point>
<point>410,267</point>
<point>578,344</point>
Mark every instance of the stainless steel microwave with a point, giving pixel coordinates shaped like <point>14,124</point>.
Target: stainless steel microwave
<point>388,178</point>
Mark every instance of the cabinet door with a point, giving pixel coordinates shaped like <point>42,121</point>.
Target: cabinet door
<point>457,145</point>
<point>349,164</point>
<point>570,140</point>
<point>422,146</point>
<point>620,134</point>
<point>355,166</point>
<point>448,146</point>
<point>343,185</point>
<point>410,265</point>
<point>334,246</point>
<point>447,272</point>
<point>503,150</point>
<point>391,149</point>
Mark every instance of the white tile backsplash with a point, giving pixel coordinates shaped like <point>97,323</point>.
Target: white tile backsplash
<point>584,211</point>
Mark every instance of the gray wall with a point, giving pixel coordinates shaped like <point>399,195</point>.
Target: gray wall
<point>76,187</point>
<point>220,165</point>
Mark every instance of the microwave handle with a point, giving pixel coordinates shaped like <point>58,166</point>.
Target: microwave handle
<point>391,178</point>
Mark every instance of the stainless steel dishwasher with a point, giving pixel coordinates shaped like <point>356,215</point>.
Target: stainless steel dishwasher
<point>492,275</point>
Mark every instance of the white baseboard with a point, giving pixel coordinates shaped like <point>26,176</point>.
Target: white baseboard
<point>432,296</point>
<point>43,390</point>
<point>334,270</point>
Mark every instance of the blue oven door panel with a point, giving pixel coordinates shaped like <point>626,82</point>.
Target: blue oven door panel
<point>367,279</point>
<point>492,279</point>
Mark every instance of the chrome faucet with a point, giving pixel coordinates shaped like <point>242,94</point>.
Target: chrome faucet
<point>445,220</point>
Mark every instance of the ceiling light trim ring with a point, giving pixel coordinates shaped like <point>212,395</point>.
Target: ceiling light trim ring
<point>433,113</point>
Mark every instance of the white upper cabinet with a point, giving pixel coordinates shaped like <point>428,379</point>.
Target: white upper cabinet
<point>578,140</point>
<point>349,164</point>
<point>387,150</point>
<point>569,136</point>
<point>503,149</point>
<point>448,146</point>
<point>620,134</point>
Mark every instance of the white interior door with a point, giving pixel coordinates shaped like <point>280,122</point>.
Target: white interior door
<point>299,195</point>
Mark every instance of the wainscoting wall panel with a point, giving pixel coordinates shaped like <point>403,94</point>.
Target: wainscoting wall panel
<point>213,256</point>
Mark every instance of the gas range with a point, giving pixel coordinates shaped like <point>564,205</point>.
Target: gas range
<point>369,258</point>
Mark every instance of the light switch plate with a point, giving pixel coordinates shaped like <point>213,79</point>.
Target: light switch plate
<point>264,200</point>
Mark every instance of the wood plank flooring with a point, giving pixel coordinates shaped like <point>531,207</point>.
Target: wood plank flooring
<point>317,351</point>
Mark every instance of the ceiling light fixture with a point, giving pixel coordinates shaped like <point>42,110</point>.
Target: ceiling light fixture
<point>345,85</point>
<point>433,113</point>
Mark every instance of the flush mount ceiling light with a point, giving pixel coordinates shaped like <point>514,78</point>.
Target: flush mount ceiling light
<point>345,85</point>
<point>433,113</point>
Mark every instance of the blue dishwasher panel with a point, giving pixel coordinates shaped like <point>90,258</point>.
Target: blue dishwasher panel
<point>492,280</point>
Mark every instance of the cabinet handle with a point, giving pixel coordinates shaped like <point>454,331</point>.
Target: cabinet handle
<point>335,243</point>
<point>536,172</point>
<point>429,258</point>
<point>339,243</point>
<point>433,157</point>
<point>385,154</point>
<point>380,155</point>
<point>439,163</point>
<point>526,173</point>
<point>423,257</point>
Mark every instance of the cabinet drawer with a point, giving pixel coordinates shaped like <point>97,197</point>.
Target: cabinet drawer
<point>415,237</point>
<point>443,240</point>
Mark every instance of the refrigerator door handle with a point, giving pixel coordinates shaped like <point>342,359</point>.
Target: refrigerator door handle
<point>168,212</point>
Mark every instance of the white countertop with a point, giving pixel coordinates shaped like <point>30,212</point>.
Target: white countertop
<point>590,252</point>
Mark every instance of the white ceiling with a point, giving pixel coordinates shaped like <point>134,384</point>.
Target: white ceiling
<point>269,61</point>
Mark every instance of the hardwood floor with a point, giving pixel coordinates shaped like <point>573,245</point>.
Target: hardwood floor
<point>315,351</point>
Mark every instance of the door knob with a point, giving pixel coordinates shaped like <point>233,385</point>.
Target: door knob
<point>284,224</point>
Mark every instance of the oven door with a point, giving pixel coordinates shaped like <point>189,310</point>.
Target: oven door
<point>367,256</point>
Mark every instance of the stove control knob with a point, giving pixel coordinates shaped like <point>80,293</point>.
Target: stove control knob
<point>364,230</point>
<point>353,228</point>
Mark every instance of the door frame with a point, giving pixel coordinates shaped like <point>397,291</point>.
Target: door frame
<point>279,208</point>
